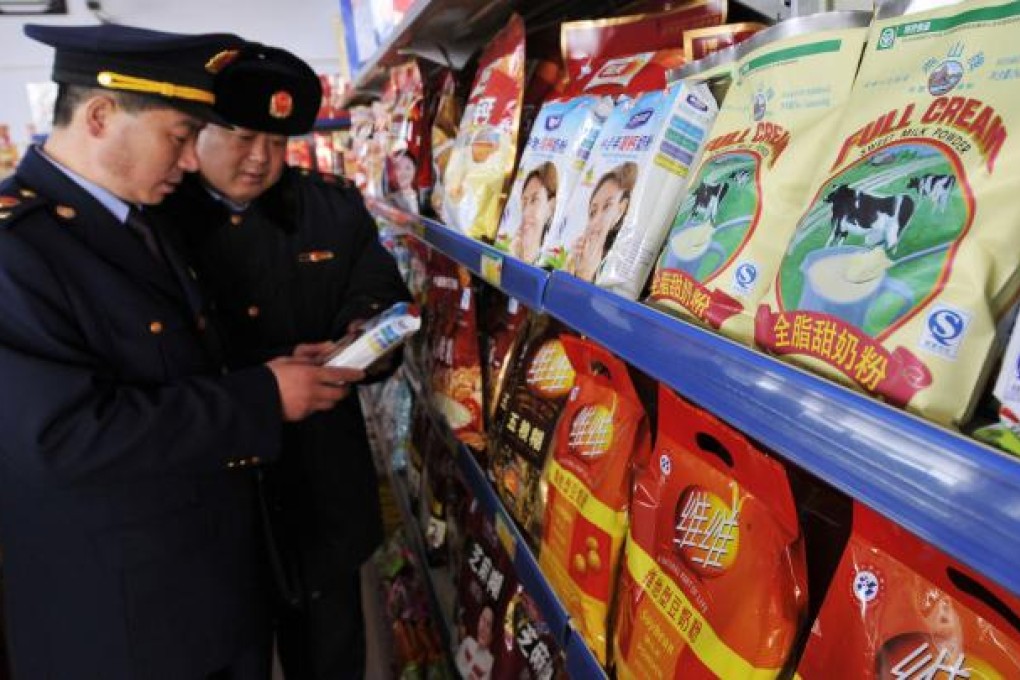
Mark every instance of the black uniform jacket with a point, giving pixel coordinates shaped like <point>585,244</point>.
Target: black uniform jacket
<point>298,265</point>
<point>126,522</point>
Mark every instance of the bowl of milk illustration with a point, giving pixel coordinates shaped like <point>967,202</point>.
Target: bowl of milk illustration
<point>692,246</point>
<point>848,281</point>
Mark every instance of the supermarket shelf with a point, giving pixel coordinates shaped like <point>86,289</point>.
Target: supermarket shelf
<point>955,493</point>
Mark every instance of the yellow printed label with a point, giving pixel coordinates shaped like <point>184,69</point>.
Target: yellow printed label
<point>672,623</point>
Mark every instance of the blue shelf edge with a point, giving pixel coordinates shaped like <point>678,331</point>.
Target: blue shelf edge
<point>955,493</point>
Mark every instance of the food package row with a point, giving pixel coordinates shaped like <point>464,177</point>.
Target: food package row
<point>693,556</point>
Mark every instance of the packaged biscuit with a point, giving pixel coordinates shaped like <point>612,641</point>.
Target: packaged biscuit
<point>526,416</point>
<point>899,609</point>
<point>554,157</point>
<point>632,183</point>
<point>789,85</point>
<point>905,258</point>
<point>673,139</point>
<point>456,371</point>
<point>714,582</point>
<point>483,155</point>
<point>499,632</point>
<point>702,42</point>
<point>443,133</point>
<point>602,432</point>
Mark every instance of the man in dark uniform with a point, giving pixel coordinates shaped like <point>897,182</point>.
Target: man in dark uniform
<point>293,257</point>
<point>126,508</point>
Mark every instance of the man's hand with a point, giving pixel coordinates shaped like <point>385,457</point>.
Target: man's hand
<point>315,352</point>
<point>306,388</point>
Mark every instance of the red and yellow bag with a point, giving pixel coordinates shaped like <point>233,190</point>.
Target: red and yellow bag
<point>602,430</point>
<point>898,609</point>
<point>714,583</point>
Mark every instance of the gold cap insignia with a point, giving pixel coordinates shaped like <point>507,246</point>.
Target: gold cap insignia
<point>8,201</point>
<point>221,60</point>
<point>281,104</point>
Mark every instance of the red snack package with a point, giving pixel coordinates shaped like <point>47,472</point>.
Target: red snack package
<point>898,609</point>
<point>526,415</point>
<point>601,433</point>
<point>714,583</point>
<point>456,370</point>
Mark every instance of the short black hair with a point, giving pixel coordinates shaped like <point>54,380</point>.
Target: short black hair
<point>70,97</point>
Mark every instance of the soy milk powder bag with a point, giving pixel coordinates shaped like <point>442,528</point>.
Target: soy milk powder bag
<point>780,111</point>
<point>906,254</point>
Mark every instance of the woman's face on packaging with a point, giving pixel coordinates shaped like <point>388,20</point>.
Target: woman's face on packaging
<point>607,206</point>
<point>536,210</point>
<point>404,172</point>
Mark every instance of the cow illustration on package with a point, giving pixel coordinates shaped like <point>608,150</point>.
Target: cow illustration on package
<point>879,219</point>
<point>707,198</point>
<point>935,188</point>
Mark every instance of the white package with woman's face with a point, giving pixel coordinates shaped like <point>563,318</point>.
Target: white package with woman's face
<point>560,143</point>
<point>632,181</point>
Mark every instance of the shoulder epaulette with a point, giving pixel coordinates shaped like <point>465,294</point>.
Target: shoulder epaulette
<point>15,204</point>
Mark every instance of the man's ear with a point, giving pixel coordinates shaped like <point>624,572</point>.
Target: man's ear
<point>97,111</point>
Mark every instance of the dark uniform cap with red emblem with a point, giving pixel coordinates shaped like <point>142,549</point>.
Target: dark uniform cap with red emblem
<point>179,68</point>
<point>269,90</point>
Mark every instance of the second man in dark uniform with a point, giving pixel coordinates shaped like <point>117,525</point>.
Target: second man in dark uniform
<point>293,259</point>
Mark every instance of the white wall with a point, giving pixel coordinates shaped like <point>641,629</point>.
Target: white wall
<point>305,27</point>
